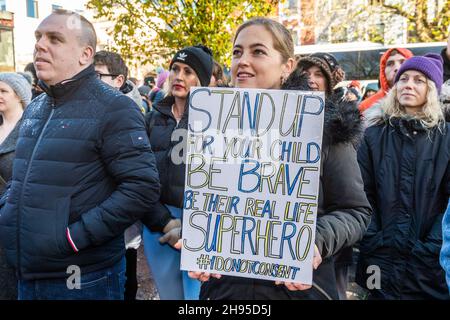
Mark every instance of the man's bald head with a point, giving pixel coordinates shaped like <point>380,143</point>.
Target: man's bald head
<point>65,45</point>
<point>75,21</point>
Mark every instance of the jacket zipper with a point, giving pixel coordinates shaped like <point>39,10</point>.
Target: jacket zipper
<point>19,270</point>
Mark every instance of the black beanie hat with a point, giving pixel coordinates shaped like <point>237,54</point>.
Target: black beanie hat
<point>199,58</point>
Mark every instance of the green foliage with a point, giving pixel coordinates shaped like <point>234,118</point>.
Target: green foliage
<point>146,30</point>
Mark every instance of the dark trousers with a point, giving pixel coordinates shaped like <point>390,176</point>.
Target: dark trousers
<point>342,280</point>
<point>131,285</point>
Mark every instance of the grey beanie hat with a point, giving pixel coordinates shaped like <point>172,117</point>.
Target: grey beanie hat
<point>19,84</point>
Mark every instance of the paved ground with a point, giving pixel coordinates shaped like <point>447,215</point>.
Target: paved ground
<point>146,286</point>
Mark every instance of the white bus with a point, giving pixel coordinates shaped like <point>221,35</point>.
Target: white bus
<point>361,60</point>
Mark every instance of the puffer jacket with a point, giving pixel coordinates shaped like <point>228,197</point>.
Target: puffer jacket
<point>343,213</point>
<point>84,172</point>
<point>166,141</point>
<point>406,172</point>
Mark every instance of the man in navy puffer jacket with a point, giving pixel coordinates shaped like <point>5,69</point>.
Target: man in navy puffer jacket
<point>84,172</point>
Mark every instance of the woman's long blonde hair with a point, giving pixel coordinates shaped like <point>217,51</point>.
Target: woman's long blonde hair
<point>432,114</point>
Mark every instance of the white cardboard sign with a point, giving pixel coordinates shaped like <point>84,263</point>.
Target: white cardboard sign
<point>252,182</point>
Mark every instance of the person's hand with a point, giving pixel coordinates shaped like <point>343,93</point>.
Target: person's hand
<point>294,286</point>
<point>172,232</point>
<point>317,260</point>
<point>203,276</point>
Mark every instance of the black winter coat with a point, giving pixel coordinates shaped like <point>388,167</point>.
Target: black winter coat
<point>84,165</point>
<point>406,173</point>
<point>7,153</point>
<point>167,144</point>
<point>343,215</point>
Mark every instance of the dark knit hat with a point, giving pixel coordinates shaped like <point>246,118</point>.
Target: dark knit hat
<point>19,84</point>
<point>431,65</point>
<point>198,58</point>
<point>328,64</point>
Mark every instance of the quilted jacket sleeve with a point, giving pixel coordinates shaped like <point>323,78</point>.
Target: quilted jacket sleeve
<point>125,150</point>
<point>347,211</point>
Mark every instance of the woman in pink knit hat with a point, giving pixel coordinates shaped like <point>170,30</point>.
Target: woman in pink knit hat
<point>158,92</point>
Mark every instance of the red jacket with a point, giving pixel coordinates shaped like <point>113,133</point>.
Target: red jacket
<point>367,103</point>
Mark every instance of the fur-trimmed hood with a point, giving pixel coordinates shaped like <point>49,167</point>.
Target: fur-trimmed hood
<point>343,122</point>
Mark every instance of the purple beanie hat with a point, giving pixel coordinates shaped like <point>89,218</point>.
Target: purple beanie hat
<point>431,65</point>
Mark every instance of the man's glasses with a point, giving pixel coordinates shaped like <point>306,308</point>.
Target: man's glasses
<point>101,75</point>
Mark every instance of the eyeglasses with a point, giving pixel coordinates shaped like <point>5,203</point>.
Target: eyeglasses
<point>100,75</point>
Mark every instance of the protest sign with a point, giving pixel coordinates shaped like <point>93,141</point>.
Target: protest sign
<point>252,182</point>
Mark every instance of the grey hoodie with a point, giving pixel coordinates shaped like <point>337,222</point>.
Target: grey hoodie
<point>130,90</point>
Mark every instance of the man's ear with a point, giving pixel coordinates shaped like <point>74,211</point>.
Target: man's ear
<point>119,80</point>
<point>87,56</point>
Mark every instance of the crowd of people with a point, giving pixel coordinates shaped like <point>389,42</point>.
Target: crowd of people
<point>86,175</point>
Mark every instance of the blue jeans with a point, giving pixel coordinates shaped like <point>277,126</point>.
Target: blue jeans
<point>105,284</point>
<point>164,262</point>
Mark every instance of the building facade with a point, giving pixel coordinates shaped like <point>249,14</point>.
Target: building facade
<point>343,21</point>
<point>340,21</point>
<point>20,18</point>
<point>7,58</point>
<point>18,38</point>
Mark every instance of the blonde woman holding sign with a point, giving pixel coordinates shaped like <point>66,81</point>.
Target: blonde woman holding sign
<point>263,58</point>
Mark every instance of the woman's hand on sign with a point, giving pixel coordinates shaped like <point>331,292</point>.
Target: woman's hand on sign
<point>203,276</point>
<point>317,260</point>
<point>178,245</point>
<point>294,286</point>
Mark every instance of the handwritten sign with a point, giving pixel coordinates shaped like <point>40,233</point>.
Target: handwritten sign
<point>252,182</point>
